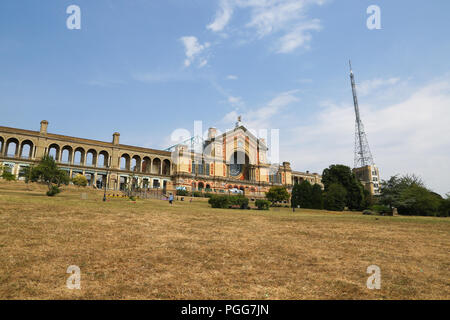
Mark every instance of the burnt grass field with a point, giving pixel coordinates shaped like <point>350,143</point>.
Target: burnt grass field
<point>150,250</point>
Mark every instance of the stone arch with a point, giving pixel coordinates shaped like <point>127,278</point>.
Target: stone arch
<point>146,165</point>
<point>166,167</point>
<point>11,147</point>
<point>67,154</point>
<point>53,151</point>
<point>2,144</point>
<point>201,186</point>
<point>156,166</point>
<point>136,163</point>
<point>208,187</point>
<point>26,149</point>
<point>103,159</point>
<point>124,162</point>
<point>91,157</point>
<point>79,156</point>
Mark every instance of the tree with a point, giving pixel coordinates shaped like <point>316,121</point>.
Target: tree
<point>335,197</point>
<point>343,175</point>
<point>305,194</point>
<point>48,172</point>
<point>444,208</point>
<point>80,180</point>
<point>418,201</point>
<point>410,196</point>
<point>277,193</point>
<point>316,197</point>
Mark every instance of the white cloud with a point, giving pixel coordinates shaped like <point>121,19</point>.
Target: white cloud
<point>235,101</point>
<point>299,37</point>
<point>412,136</point>
<point>194,49</point>
<point>368,86</point>
<point>223,16</point>
<point>232,77</point>
<point>260,118</point>
<point>286,19</point>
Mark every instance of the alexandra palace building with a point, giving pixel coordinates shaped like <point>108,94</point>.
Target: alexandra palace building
<point>235,159</point>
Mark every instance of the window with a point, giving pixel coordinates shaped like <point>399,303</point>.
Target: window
<point>207,169</point>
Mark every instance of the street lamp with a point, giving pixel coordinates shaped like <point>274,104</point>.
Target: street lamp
<point>106,179</point>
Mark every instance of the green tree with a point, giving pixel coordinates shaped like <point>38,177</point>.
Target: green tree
<point>344,176</point>
<point>305,194</point>
<point>418,201</point>
<point>80,180</point>
<point>277,193</point>
<point>316,197</point>
<point>335,197</point>
<point>392,189</point>
<point>444,208</point>
<point>48,172</point>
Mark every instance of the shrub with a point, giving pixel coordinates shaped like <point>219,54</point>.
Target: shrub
<point>80,180</point>
<point>380,208</point>
<point>277,194</point>
<point>132,198</point>
<point>182,193</point>
<point>197,194</point>
<point>224,201</point>
<point>239,200</point>
<point>262,204</point>
<point>8,176</point>
<point>54,190</point>
<point>208,195</point>
<point>217,201</point>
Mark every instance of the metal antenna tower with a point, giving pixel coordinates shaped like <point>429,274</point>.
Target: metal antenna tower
<point>363,156</point>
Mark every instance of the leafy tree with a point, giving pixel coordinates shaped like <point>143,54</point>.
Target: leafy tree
<point>48,172</point>
<point>277,193</point>
<point>316,197</point>
<point>335,197</point>
<point>294,196</point>
<point>80,180</point>
<point>444,208</point>
<point>416,200</point>
<point>344,176</point>
<point>410,196</point>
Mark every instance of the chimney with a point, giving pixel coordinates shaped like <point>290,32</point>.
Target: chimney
<point>212,132</point>
<point>44,125</point>
<point>116,137</point>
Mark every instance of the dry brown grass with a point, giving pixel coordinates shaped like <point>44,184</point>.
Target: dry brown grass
<point>149,250</point>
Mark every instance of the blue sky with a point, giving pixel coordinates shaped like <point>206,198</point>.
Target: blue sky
<point>146,68</point>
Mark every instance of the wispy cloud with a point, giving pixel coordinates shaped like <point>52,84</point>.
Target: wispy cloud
<point>261,118</point>
<point>285,19</point>
<point>369,86</point>
<point>194,51</point>
<point>223,16</point>
<point>232,77</point>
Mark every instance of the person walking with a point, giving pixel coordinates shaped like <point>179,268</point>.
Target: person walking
<point>171,199</point>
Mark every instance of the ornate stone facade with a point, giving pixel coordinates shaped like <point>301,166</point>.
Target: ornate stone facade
<point>236,159</point>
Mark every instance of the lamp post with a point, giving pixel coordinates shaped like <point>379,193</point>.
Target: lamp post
<point>106,179</point>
